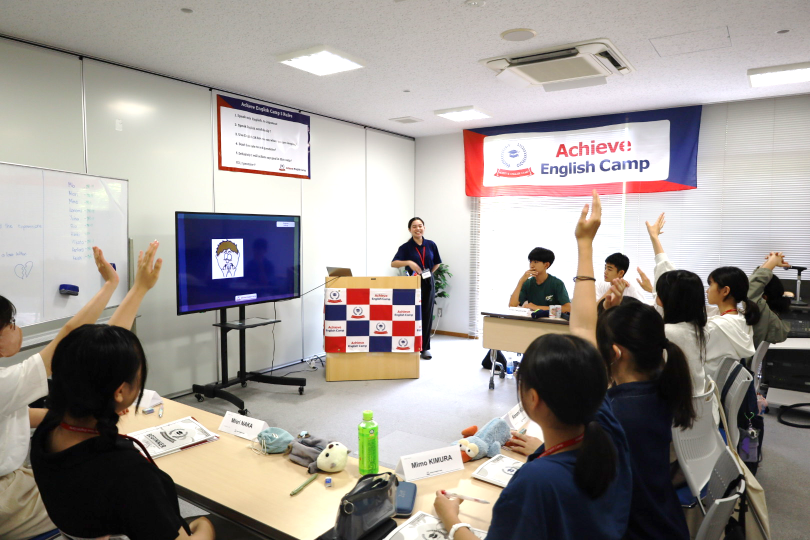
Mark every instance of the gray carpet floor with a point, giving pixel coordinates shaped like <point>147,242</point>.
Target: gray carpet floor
<point>451,394</point>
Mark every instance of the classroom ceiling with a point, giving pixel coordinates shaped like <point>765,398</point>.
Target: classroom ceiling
<point>422,55</point>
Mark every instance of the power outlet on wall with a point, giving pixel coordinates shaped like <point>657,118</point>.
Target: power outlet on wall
<point>439,312</point>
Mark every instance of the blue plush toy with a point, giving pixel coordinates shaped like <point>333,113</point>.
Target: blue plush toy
<point>484,443</point>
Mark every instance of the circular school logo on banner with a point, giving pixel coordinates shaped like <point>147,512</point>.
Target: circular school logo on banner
<point>334,297</point>
<point>513,155</point>
<point>357,312</point>
<point>402,344</point>
<point>380,327</point>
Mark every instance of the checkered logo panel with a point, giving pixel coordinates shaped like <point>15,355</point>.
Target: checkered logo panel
<point>372,320</point>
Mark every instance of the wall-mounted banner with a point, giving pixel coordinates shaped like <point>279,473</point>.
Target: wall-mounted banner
<point>639,152</point>
<point>259,139</point>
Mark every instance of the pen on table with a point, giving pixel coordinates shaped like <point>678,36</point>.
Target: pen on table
<point>300,488</point>
<point>463,497</point>
<point>160,412</point>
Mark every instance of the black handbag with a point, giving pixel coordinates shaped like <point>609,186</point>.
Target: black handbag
<point>366,511</point>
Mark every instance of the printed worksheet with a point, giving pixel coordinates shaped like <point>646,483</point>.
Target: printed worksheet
<point>423,526</point>
<point>173,436</point>
<point>498,470</point>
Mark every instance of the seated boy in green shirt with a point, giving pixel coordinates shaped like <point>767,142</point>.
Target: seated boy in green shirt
<point>536,288</point>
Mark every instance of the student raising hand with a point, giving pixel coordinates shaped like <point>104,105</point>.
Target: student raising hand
<point>104,268</point>
<point>644,281</point>
<point>614,296</point>
<point>583,308</point>
<point>774,259</point>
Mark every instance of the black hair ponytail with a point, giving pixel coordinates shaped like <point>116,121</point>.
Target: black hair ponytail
<point>569,375</point>
<point>737,283</point>
<point>589,471</point>
<point>638,328</point>
<point>89,365</point>
<point>675,387</point>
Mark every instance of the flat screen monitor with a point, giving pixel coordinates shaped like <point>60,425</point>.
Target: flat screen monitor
<point>227,260</point>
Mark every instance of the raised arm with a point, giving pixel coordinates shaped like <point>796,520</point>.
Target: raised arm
<point>583,308</point>
<point>662,262</point>
<point>146,276</point>
<point>762,275</point>
<point>91,311</point>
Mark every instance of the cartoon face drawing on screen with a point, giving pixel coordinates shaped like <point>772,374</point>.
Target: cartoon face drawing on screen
<point>227,255</point>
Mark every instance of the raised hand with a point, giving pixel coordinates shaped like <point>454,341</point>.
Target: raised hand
<point>148,270</point>
<point>657,228</point>
<point>776,258</point>
<point>587,226</point>
<point>644,282</point>
<point>104,268</point>
<point>614,296</point>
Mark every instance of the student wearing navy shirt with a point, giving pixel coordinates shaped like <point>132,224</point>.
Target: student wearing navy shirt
<point>420,257</point>
<point>577,485</point>
<point>652,392</point>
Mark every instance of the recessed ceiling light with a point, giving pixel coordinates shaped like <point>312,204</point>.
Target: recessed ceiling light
<point>186,10</point>
<point>518,34</point>
<point>462,114</point>
<point>782,31</point>
<point>406,90</point>
<point>774,75</point>
<point>475,3</point>
<point>321,60</point>
<point>406,120</point>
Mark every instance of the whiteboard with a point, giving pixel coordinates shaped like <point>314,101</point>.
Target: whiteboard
<point>49,222</point>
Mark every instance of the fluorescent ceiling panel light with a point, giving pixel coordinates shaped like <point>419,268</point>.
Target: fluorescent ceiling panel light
<point>321,60</point>
<point>462,114</point>
<point>787,74</point>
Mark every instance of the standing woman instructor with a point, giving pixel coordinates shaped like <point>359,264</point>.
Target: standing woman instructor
<point>421,257</point>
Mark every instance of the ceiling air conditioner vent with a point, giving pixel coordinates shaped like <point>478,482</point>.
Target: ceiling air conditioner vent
<point>588,63</point>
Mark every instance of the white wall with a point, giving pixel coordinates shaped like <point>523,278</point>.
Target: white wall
<point>41,108</point>
<point>390,198</point>
<point>440,200</point>
<point>166,150</point>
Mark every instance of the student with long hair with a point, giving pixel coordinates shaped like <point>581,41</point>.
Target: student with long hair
<point>730,333</point>
<point>99,371</point>
<point>682,302</point>
<point>22,513</point>
<point>578,484</point>
<point>651,393</point>
<point>767,291</point>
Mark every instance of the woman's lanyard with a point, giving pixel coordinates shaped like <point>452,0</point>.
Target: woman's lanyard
<point>729,311</point>
<point>77,429</point>
<point>564,444</point>
<point>422,255</point>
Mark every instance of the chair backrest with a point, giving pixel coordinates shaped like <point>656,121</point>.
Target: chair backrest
<point>720,503</point>
<point>699,447</point>
<point>756,363</point>
<point>733,375</point>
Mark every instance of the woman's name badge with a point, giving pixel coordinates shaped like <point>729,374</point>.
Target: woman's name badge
<point>426,274</point>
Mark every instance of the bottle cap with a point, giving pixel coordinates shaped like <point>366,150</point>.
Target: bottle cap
<point>368,415</point>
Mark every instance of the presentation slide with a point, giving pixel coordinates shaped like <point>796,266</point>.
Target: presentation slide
<point>226,260</point>
<point>259,139</point>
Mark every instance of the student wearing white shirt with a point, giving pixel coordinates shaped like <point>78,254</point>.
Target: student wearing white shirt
<point>22,513</point>
<point>616,266</point>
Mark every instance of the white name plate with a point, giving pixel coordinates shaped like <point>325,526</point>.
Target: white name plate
<point>430,463</point>
<point>242,426</point>
<point>517,417</point>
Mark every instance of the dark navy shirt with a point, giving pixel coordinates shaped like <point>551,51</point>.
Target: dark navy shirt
<point>542,502</point>
<point>655,511</point>
<point>408,252</point>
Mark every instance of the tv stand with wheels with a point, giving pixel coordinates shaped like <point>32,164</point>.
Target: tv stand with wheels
<point>217,389</point>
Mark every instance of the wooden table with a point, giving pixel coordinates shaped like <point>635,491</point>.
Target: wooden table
<point>226,478</point>
<point>509,331</point>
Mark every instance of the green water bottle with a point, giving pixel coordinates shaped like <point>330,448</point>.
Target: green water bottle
<point>369,436</point>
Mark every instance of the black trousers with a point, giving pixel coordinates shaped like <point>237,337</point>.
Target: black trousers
<point>428,300</point>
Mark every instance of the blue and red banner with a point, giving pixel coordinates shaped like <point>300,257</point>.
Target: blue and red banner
<point>640,152</point>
